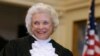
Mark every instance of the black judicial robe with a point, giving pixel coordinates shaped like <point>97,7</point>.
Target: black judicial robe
<point>22,46</point>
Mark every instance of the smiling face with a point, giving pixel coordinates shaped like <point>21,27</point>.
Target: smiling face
<point>42,25</point>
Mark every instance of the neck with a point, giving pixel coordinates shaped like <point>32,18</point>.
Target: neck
<point>40,40</point>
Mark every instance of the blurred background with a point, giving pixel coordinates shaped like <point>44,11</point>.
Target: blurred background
<point>72,15</point>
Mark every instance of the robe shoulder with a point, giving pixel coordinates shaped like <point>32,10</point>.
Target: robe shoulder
<point>15,47</point>
<point>9,49</point>
<point>62,51</point>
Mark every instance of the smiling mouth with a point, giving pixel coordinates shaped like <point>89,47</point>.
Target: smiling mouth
<point>41,32</point>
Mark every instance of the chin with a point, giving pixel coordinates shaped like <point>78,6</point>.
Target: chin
<point>42,38</point>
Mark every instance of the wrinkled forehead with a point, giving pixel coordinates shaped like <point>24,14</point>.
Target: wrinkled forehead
<point>41,16</point>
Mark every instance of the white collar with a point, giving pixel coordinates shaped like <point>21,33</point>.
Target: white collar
<point>41,41</point>
<point>42,48</point>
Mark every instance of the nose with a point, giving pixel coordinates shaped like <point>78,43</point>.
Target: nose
<point>41,26</point>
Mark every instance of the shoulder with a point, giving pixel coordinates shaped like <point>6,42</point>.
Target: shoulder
<point>14,47</point>
<point>17,42</point>
<point>22,42</point>
<point>61,49</point>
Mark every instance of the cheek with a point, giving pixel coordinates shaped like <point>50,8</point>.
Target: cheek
<point>34,28</point>
<point>51,28</point>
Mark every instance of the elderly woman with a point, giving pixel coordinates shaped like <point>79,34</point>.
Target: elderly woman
<point>41,21</point>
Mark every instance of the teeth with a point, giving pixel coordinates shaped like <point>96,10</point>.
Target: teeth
<point>41,32</point>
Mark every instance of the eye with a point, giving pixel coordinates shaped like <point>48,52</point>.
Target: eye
<point>45,22</point>
<point>36,23</point>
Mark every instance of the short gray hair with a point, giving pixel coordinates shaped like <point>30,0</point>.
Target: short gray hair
<point>37,8</point>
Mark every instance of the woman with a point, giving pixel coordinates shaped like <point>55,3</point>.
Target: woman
<point>41,21</point>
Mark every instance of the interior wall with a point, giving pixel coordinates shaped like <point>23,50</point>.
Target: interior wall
<point>10,18</point>
<point>78,15</point>
<point>64,33</point>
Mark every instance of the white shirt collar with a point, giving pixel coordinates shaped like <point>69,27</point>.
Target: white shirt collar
<point>42,48</point>
<point>41,41</point>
